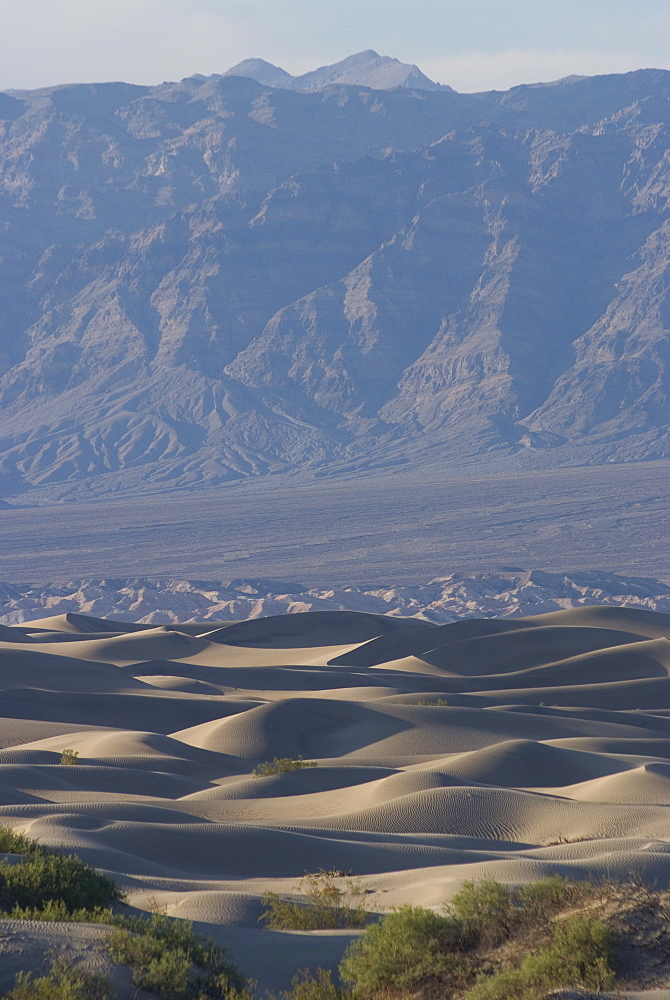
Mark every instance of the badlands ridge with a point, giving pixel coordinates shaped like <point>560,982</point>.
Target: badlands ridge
<point>552,755</point>
<point>494,594</point>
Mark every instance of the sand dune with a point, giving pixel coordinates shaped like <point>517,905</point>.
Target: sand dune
<point>26,668</point>
<point>552,754</point>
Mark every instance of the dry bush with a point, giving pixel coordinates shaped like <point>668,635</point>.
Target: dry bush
<point>61,983</point>
<point>327,907</point>
<point>281,765</point>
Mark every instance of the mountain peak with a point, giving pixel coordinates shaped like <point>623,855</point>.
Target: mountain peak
<point>261,71</point>
<point>362,69</point>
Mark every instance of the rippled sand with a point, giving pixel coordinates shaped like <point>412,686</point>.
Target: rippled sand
<point>552,755</point>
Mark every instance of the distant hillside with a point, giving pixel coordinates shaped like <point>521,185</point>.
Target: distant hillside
<point>499,593</point>
<point>218,278</point>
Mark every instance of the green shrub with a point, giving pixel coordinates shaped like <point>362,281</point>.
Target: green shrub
<point>580,956</point>
<point>490,912</point>
<point>413,950</point>
<point>166,974</point>
<point>538,900</point>
<point>326,906</point>
<point>223,986</point>
<point>437,703</point>
<point>45,878</point>
<point>486,910</point>
<point>281,765</point>
<point>408,949</point>
<point>69,757</point>
<point>508,985</point>
<point>61,983</point>
<point>55,911</point>
<point>314,986</point>
<point>52,877</point>
<point>168,959</point>
<point>582,953</point>
<point>18,843</point>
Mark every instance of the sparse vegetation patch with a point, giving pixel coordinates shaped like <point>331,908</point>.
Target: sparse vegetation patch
<point>580,955</point>
<point>411,949</point>
<point>492,942</point>
<point>17,843</point>
<point>319,985</point>
<point>44,878</point>
<point>326,906</point>
<point>281,765</point>
<point>62,982</point>
<point>52,878</point>
<point>55,911</point>
<point>172,962</point>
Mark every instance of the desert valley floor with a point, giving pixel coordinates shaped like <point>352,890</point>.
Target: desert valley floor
<point>553,754</point>
<point>393,528</point>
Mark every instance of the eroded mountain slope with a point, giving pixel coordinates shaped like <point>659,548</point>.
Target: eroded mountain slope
<point>215,279</point>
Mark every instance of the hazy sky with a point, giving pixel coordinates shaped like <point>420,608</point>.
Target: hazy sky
<point>471,44</point>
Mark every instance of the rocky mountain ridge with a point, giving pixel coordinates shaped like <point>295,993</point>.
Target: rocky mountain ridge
<point>499,593</point>
<point>364,69</point>
<point>215,279</point>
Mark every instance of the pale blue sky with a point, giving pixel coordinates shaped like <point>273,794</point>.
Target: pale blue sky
<point>470,44</point>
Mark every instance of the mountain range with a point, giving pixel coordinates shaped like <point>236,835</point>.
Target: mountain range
<point>252,273</point>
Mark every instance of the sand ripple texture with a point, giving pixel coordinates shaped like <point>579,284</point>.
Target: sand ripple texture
<point>552,755</point>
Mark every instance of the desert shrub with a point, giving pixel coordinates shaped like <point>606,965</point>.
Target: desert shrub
<point>55,911</point>
<point>166,974</point>
<point>47,882</point>
<point>542,898</point>
<point>413,950</point>
<point>223,986</point>
<point>489,912</point>
<point>565,839</point>
<point>582,952</point>
<point>436,703</point>
<point>61,983</point>
<point>18,843</point>
<point>281,765</point>
<point>486,911</point>
<point>168,959</point>
<point>326,906</point>
<point>319,985</point>
<point>51,878</point>
<point>511,984</point>
<point>580,955</point>
<point>69,757</point>
<point>408,949</point>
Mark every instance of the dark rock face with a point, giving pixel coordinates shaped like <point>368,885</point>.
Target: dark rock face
<point>214,278</point>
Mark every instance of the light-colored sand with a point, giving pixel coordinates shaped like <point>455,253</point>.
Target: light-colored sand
<point>553,754</point>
